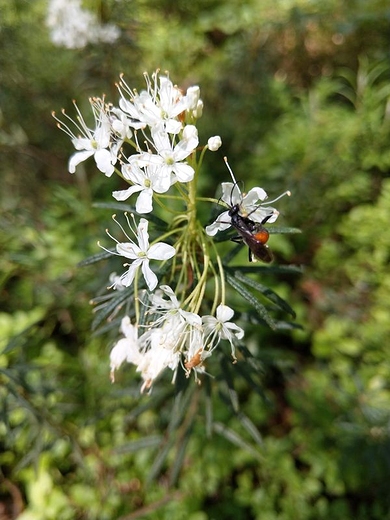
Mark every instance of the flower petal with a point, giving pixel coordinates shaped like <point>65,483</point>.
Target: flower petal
<point>128,250</point>
<point>161,251</point>
<point>128,277</point>
<point>224,313</point>
<point>125,194</point>
<point>77,158</point>
<point>144,202</point>
<point>150,278</point>
<point>103,162</point>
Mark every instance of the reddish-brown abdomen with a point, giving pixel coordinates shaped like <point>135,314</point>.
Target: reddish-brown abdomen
<point>262,236</point>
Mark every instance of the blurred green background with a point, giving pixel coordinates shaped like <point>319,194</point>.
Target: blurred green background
<point>299,91</point>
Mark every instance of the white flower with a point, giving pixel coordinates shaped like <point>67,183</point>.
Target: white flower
<point>120,123</point>
<point>193,97</point>
<point>116,282</point>
<point>145,182</point>
<point>73,27</point>
<point>141,254</point>
<point>220,327</point>
<point>214,143</point>
<point>126,349</point>
<point>94,142</point>
<point>154,361</point>
<point>159,105</point>
<point>248,206</point>
<point>174,334</point>
<point>170,157</point>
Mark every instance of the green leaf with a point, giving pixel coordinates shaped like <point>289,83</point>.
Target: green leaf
<point>139,444</point>
<point>250,428</point>
<point>278,230</point>
<point>115,303</point>
<point>270,269</point>
<point>266,291</point>
<point>251,299</point>
<point>181,405</point>
<point>236,439</point>
<point>96,258</point>
<point>228,380</point>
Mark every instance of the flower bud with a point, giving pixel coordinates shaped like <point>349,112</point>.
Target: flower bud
<point>214,143</point>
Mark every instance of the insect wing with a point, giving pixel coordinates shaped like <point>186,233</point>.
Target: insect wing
<point>260,252</point>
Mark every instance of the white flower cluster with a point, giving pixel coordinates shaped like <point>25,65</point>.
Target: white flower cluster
<point>174,335</point>
<point>73,27</point>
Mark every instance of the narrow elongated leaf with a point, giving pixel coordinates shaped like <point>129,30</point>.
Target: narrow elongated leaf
<point>251,299</point>
<point>181,451</point>
<point>270,269</point>
<point>250,428</point>
<point>208,407</point>
<point>179,409</point>
<point>145,442</point>
<point>236,439</point>
<point>228,380</point>
<point>265,291</point>
<point>116,302</point>
<point>96,258</point>
<point>279,230</point>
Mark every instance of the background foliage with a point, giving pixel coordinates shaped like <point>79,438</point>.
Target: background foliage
<point>299,91</point>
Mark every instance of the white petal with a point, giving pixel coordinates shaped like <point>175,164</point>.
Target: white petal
<point>183,172</point>
<point>187,145</point>
<point>161,140</point>
<point>237,331</point>
<point>133,172</point>
<point>102,134</point>
<point>209,322</point>
<point>83,143</point>
<point>127,327</point>
<point>224,313</point>
<point>128,250</point>
<point>231,193</point>
<point>192,97</point>
<point>125,194</point>
<point>103,162</point>
<point>144,202</point>
<point>173,126</point>
<point>119,353</point>
<point>128,277</point>
<point>220,224</point>
<point>143,235</point>
<point>253,196</point>
<point>161,251</point>
<point>171,295</point>
<point>77,158</point>
<point>150,278</point>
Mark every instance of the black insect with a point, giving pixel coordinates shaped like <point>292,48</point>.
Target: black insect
<point>253,234</point>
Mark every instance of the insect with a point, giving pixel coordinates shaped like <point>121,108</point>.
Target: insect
<point>195,361</point>
<point>253,234</point>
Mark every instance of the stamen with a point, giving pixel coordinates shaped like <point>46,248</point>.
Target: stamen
<point>108,250</point>
<point>288,193</point>
<point>134,231</point>
<point>122,228</point>
<point>230,170</point>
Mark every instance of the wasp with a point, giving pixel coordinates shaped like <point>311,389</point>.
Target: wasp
<point>253,234</point>
<point>250,228</point>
